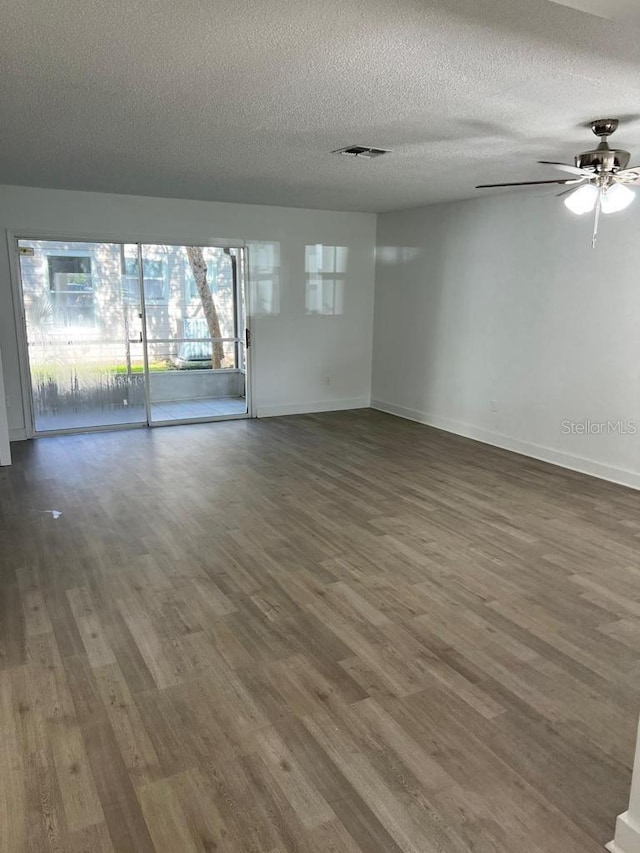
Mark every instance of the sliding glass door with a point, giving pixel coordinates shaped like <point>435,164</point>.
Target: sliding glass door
<point>122,334</point>
<point>83,336</point>
<point>195,332</point>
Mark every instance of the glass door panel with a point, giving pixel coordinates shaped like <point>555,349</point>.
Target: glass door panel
<point>195,332</point>
<point>84,335</point>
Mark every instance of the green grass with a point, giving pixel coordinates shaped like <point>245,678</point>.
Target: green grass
<point>55,369</point>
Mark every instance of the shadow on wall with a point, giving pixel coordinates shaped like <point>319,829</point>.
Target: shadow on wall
<point>453,340</point>
<point>409,289</point>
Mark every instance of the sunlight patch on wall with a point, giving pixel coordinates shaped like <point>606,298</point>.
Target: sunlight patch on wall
<point>264,279</point>
<point>326,270</point>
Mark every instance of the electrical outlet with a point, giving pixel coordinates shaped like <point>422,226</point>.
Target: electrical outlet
<point>493,405</point>
<point>327,380</point>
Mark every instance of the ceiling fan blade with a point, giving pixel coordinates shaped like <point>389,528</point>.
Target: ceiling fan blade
<point>628,176</point>
<point>572,188</point>
<point>565,167</point>
<point>530,183</point>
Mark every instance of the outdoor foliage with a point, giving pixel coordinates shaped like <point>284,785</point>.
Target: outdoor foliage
<point>81,389</point>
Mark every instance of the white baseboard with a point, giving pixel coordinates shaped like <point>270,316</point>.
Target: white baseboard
<point>535,451</point>
<point>316,406</point>
<point>627,838</point>
<point>274,411</point>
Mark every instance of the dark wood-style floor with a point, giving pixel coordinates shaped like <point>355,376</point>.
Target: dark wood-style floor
<point>341,632</point>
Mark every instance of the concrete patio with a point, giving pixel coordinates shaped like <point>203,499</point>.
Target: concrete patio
<point>162,411</point>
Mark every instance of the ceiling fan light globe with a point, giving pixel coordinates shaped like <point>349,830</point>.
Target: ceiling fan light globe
<point>583,200</point>
<point>617,198</point>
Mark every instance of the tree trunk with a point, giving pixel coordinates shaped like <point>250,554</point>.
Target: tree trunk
<point>199,270</point>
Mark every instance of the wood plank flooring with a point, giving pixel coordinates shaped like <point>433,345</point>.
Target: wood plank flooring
<point>340,632</point>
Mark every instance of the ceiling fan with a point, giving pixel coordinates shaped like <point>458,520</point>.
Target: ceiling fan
<point>600,181</point>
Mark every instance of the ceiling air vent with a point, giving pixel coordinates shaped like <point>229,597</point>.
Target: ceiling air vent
<point>361,151</point>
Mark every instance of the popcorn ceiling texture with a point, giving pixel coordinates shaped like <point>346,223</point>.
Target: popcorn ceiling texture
<point>238,100</point>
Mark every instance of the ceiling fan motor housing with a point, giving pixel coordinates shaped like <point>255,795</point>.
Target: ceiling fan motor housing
<point>603,158</point>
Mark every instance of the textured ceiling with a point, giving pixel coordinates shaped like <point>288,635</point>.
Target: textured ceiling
<point>243,100</point>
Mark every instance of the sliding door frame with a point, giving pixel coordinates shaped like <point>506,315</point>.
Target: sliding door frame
<point>239,280</point>
<point>20,323</point>
<point>24,369</point>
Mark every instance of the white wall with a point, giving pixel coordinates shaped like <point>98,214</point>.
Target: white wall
<point>5,450</point>
<point>503,299</point>
<point>627,837</point>
<point>302,362</point>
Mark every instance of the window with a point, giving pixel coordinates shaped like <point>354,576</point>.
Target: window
<point>72,291</point>
<point>155,280</point>
<point>326,268</point>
